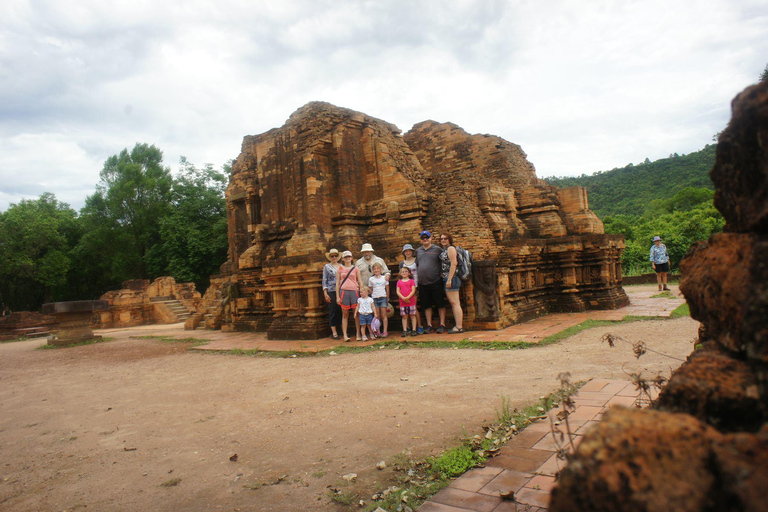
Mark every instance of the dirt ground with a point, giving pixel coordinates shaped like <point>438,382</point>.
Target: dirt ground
<point>104,426</point>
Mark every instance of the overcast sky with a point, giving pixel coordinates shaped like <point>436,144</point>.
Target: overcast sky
<point>581,86</point>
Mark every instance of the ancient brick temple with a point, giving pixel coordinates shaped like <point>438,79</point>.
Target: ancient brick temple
<point>333,177</point>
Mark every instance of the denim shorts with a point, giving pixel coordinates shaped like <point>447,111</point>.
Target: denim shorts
<point>366,319</point>
<point>380,302</point>
<point>455,284</point>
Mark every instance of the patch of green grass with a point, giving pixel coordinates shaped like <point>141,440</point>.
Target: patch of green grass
<point>455,461</point>
<point>82,343</point>
<point>681,311</point>
<point>342,497</point>
<point>319,474</point>
<point>664,295</point>
<point>173,482</point>
<point>172,339</point>
<point>504,414</point>
<point>14,340</point>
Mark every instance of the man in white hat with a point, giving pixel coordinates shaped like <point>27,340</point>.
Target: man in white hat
<point>364,264</point>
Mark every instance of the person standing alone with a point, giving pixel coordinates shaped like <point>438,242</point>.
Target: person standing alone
<point>660,261</point>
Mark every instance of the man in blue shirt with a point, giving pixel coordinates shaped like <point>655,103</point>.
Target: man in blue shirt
<point>660,261</point>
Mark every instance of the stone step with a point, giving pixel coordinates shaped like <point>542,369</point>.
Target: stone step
<point>32,332</point>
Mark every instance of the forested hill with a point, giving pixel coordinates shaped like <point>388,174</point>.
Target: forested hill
<point>631,189</point>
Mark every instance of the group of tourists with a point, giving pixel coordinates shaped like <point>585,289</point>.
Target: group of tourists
<point>362,289</point>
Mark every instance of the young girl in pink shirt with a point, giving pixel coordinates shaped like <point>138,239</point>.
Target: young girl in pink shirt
<point>406,290</point>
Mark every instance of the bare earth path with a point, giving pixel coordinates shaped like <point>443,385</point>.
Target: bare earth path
<point>102,427</point>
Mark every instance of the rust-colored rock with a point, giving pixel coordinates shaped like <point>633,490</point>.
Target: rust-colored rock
<point>705,448</point>
<point>139,302</point>
<point>741,176</point>
<point>625,461</point>
<point>731,402</point>
<point>333,177</point>
<point>644,461</point>
<point>724,282</point>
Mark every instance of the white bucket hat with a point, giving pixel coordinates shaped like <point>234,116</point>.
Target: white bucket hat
<point>366,247</point>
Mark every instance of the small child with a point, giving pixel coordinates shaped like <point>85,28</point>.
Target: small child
<point>380,294</point>
<point>365,312</point>
<point>406,290</point>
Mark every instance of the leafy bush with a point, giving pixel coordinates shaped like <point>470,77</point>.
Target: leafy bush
<point>455,461</point>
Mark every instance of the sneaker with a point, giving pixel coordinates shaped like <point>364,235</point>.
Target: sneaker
<point>420,330</point>
<point>666,289</point>
<point>428,329</point>
<point>384,334</point>
<point>441,330</point>
<point>411,333</point>
<point>365,339</point>
<point>404,334</point>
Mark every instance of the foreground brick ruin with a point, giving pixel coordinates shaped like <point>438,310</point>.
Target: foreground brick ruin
<point>704,445</point>
<point>332,177</point>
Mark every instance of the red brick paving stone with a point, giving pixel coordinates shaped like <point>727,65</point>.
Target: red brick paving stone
<point>614,387</point>
<point>467,500</point>
<point>524,453</point>
<point>585,427</point>
<point>545,483</point>
<point>551,467</point>
<point>533,497</point>
<point>593,386</point>
<point>431,506</point>
<point>516,463</point>
<point>621,401</point>
<point>507,481</point>
<point>509,506</point>
<point>548,443</point>
<point>475,479</point>
<point>585,412</point>
<point>593,395</point>
<point>595,402</point>
<point>527,438</point>
<point>539,426</point>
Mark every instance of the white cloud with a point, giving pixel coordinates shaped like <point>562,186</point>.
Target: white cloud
<point>581,87</point>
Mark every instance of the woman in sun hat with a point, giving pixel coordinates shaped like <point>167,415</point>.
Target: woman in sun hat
<point>660,261</point>
<point>330,270</point>
<point>347,292</point>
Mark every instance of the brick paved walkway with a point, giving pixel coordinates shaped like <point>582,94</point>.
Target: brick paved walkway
<point>527,464</point>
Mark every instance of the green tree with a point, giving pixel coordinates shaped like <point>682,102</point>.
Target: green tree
<point>36,239</point>
<point>194,233</point>
<point>134,194</point>
<point>764,74</point>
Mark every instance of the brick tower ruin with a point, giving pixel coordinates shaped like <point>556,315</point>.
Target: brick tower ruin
<point>333,177</point>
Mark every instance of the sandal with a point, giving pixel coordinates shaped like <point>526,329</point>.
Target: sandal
<point>335,336</point>
<point>346,340</point>
<point>456,330</point>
